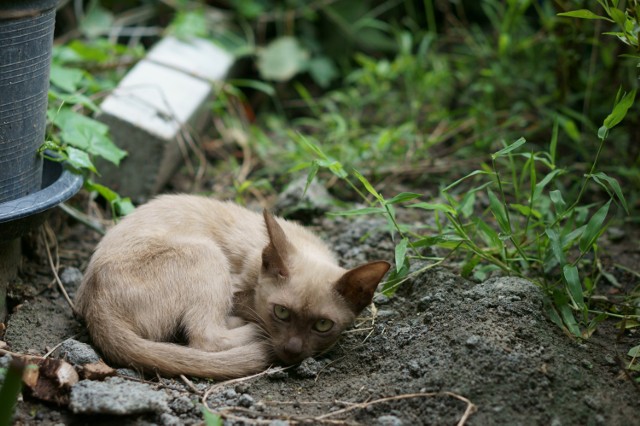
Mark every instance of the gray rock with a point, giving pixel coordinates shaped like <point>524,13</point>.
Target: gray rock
<point>380,299</point>
<point>277,374</point>
<point>129,372</point>
<point>389,421</point>
<point>473,340</point>
<point>309,368</point>
<point>181,405</point>
<point>292,203</point>
<point>71,278</point>
<point>245,400</point>
<point>78,353</point>
<point>116,396</point>
<point>167,419</point>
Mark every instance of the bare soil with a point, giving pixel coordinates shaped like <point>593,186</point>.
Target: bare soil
<point>442,351</point>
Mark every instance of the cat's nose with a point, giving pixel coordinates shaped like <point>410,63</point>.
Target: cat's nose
<point>293,346</point>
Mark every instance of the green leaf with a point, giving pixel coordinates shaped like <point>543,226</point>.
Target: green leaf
<point>434,206</point>
<point>473,173</point>
<point>556,246</point>
<point>359,212</point>
<point>123,206</point>
<point>312,174</point>
<point>619,110</point>
<point>526,210</point>
<point>401,253</point>
<point>211,419</point>
<point>403,197</point>
<point>466,206</point>
<point>367,185</point>
<point>558,201</point>
<point>517,144</point>
<point>615,186</point>
<point>594,228</point>
<point>80,159</point>
<point>189,23</point>
<point>87,134</point>
<point>65,78</point>
<point>96,21</point>
<point>282,59</point>
<point>260,86</point>
<point>322,70</point>
<point>572,279</point>
<point>554,142</point>
<point>498,210</point>
<point>583,14</point>
<point>634,352</point>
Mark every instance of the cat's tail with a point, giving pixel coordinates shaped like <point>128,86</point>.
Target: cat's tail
<point>126,348</point>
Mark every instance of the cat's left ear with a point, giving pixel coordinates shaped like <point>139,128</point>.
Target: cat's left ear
<point>358,285</point>
<point>276,253</point>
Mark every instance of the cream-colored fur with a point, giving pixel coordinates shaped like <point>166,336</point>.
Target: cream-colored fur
<point>210,274</point>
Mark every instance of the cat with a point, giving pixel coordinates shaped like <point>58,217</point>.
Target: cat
<point>191,285</point>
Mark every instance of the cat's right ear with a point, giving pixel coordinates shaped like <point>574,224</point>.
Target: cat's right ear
<point>275,254</point>
<point>358,285</point>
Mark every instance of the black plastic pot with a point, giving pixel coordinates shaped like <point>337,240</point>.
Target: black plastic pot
<point>26,37</point>
<point>19,216</point>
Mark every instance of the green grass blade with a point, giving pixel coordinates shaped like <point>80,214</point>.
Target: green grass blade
<point>401,253</point>
<point>556,246</point>
<point>558,201</point>
<point>360,212</point>
<point>620,110</point>
<point>367,185</point>
<point>9,392</point>
<point>572,279</point>
<point>583,14</point>
<point>403,197</point>
<point>507,149</point>
<point>594,228</point>
<point>614,185</point>
<point>311,176</point>
<point>435,206</point>
<point>473,173</point>
<point>498,210</point>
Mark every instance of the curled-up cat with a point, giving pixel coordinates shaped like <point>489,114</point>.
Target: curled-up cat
<point>195,286</point>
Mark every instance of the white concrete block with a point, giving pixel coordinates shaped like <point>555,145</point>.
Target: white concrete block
<point>197,57</point>
<point>163,95</point>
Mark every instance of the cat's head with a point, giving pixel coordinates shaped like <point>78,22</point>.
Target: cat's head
<point>305,300</point>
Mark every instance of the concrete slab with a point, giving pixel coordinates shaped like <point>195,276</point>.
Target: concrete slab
<point>161,98</point>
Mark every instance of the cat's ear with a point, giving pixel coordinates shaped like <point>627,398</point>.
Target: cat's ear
<point>358,285</point>
<point>275,254</point>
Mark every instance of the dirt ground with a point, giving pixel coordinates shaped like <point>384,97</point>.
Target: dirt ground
<point>442,351</point>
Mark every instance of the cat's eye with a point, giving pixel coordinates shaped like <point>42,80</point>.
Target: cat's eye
<point>281,312</point>
<point>323,325</point>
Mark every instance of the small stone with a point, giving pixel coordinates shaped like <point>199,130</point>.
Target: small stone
<point>245,400</point>
<point>71,278</point>
<point>167,419</point>
<point>473,341</point>
<point>277,374</point>
<point>129,372</point>
<point>386,313</point>
<point>230,394</point>
<point>414,369</point>
<point>309,368</point>
<point>389,421</point>
<point>181,405</point>
<point>380,299</point>
<point>78,353</point>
